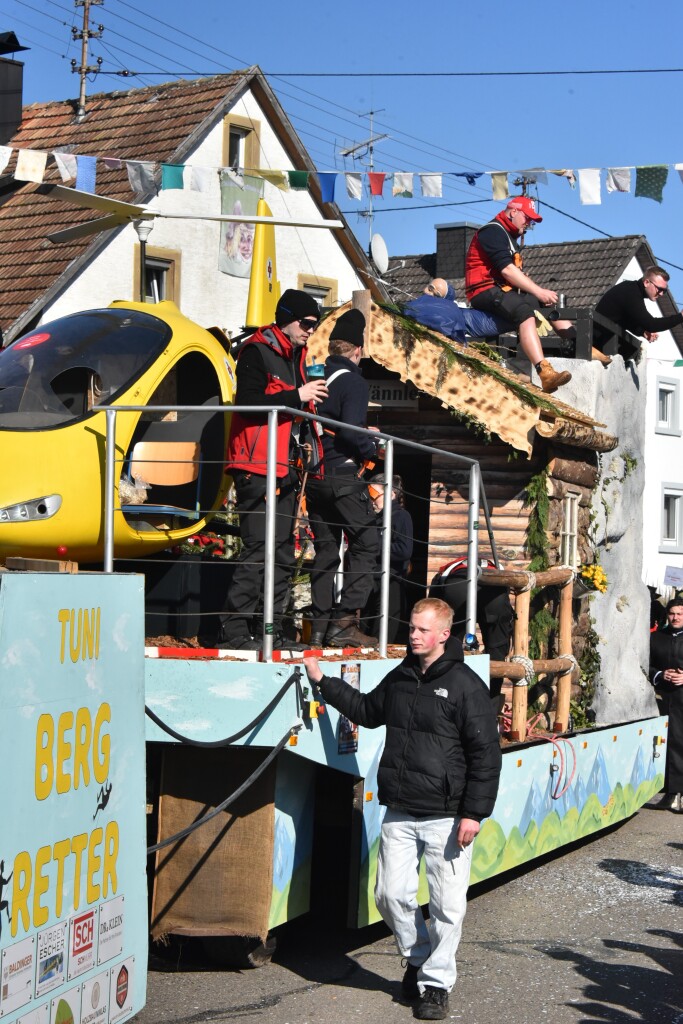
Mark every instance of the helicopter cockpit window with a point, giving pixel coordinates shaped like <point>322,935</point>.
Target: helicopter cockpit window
<point>61,371</point>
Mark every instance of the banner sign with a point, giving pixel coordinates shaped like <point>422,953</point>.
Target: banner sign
<point>73,899</point>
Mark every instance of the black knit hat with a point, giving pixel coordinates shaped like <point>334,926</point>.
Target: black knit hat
<point>349,327</point>
<point>295,305</point>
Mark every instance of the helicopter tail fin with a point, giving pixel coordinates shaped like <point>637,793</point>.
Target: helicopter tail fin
<point>264,287</point>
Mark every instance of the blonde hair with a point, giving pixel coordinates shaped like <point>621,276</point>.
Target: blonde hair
<point>442,611</point>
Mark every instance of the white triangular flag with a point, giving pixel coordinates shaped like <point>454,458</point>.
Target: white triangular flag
<point>5,154</point>
<point>589,186</point>
<point>403,184</point>
<point>499,184</point>
<point>354,184</point>
<point>431,185</point>
<point>30,165</point>
<point>141,175</point>
<point>66,164</point>
<point>202,178</point>
<point>618,179</point>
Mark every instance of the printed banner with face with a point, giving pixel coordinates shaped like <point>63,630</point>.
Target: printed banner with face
<point>238,196</point>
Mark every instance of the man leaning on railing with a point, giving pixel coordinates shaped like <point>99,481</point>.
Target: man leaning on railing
<point>270,371</point>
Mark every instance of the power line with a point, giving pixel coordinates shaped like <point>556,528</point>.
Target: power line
<point>473,74</point>
<point>446,74</point>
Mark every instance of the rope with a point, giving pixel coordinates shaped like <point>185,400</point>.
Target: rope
<point>573,666</point>
<point>530,583</point>
<point>228,800</point>
<point>528,666</point>
<point>294,678</point>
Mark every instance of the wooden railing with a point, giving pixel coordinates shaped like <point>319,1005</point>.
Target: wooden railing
<point>520,667</point>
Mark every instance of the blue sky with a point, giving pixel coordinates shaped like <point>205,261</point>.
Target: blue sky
<point>434,123</point>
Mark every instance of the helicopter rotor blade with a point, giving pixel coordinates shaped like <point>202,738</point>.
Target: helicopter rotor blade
<point>89,201</point>
<point>90,227</point>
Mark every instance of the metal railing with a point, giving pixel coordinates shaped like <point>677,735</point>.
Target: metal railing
<point>476,501</point>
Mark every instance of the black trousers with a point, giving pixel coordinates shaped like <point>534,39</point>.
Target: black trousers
<point>396,631</point>
<point>672,705</point>
<point>340,505</point>
<point>246,592</point>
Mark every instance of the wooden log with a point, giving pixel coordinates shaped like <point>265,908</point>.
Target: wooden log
<point>542,666</point>
<point>520,647</point>
<point>577,435</point>
<point>574,471</point>
<point>515,580</point>
<point>564,682</point>
<point>559,489</point>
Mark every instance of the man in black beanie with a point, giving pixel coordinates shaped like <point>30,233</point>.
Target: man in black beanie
<point>270,371</point>
<point>338,501</point>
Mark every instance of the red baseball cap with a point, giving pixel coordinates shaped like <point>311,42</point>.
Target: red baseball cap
<point>526,205</point>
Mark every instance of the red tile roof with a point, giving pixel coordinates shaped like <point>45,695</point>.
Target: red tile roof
<point>153,123</point>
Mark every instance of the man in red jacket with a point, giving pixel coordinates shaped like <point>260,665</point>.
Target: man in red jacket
<point>495,283</point>
<point>270,371</point>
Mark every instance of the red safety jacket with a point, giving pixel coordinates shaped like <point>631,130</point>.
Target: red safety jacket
<point>248,441</point>
<point>480,274</point>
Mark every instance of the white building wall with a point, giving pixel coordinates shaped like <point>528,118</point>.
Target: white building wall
<point>207,295</point>
<point>663,451</point>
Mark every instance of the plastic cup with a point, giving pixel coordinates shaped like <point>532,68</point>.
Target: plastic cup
<point>315,371</point>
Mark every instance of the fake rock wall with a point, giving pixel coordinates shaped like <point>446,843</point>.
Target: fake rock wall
<point>615,395</point>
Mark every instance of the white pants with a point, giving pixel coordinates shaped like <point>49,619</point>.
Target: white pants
<point>405,840</point>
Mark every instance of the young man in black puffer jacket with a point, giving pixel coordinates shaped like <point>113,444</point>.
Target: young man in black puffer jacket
<point>438,777</point>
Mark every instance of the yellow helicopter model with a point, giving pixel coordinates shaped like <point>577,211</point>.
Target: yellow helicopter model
<point>169,470</point>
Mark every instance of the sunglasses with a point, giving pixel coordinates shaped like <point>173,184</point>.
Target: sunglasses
<point>308,325</point>
<point>658,288</point>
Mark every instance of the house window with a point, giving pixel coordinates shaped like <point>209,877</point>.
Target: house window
<point>323,289</point>
<point>668,391</point>
<point>672,518</point>
<point>570,528</point>
<point>162,275</point>
<point>241,142</point>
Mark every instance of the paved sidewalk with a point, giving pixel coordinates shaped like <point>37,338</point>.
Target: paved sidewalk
<point>592,936</point>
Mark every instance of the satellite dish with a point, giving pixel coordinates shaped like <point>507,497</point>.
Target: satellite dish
<point>379,253</point>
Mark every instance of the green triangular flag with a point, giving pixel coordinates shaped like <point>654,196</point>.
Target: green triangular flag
<point>650,181</point>
<point>298,180</point>
<point>172,176</point>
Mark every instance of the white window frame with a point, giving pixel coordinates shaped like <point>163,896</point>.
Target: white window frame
<point>672,544</point>
<point>671,425</point>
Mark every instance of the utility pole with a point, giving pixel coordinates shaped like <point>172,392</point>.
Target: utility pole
<point>367,145</point>
<point>85,69</point>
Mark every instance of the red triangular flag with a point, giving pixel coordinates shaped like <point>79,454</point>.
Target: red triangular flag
<point>376,179</point>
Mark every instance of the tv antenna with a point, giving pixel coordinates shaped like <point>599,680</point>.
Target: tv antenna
<point>361,150</point>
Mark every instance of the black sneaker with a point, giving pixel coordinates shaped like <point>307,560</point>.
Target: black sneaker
<point>409,990</point>
<point>433,1004</point>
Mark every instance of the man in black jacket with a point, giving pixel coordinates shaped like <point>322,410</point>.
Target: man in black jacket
<point>338,501</point>
<point>666,675</point>
<point>624,305</point>
<point>438,777</point>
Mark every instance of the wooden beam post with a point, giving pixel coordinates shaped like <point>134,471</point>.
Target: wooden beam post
<point>564,682</point>
<point>521,647</point>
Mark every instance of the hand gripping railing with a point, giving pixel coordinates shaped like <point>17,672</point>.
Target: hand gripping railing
<point>477,501</point>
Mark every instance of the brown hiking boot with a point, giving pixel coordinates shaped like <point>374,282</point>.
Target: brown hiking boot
<point>551,380</point>
<point>345,633</point>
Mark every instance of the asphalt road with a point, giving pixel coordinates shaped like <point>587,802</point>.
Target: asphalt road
<point>591,936</point>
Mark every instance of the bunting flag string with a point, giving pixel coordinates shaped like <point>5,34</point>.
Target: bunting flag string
<point>149,177</point>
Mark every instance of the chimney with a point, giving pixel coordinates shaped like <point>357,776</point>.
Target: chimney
<point>11,86</point>
<point>452,242</point>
